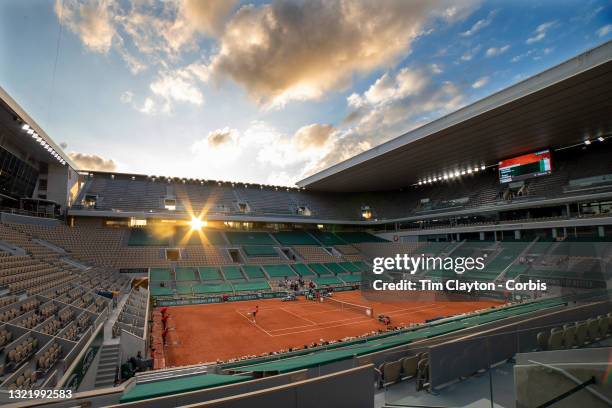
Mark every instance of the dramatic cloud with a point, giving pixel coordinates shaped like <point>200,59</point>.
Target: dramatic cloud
<point>480,82</point>
<point>394,104</point>
<point>90,20</point>
<point>605,30</point>
<point>540,33</point>
<point>495,51</point>
<point>314,135</point>
<point>92,162</point>
<point>221,136</point>
<point>159,31</point>
<point>297,51</point>
<point>479,25</point>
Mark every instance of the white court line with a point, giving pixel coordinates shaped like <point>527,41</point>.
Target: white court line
<point>362,320</point>
<point>298,316</point>
<point>254,324</point>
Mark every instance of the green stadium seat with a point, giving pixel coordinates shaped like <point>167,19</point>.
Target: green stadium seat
<point>159,291</point>
<point>295,238</point>
<point>334,267</point>
<point>209,273</point>
<point>328,238</point>
<point>183,289</point>
<point>320,269</point>
<point>253,271</point>
<point>349,266</point>
<point>160,274</point>
<point>362,266</point>
<point>327,281</point>
<point>357,237</point>
<point>279,271</point>
<point>146,237</point>
<point>260,251</point>
<point>252,286</point>
<point>206,289</point>
<point>249,238</point>
<point>186,236</point>
<point>350,278</point>
<point>232,273</point>
<point>303,270</point>
<point>185,274</point>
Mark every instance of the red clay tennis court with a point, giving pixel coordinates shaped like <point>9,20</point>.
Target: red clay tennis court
<point>205,333</point>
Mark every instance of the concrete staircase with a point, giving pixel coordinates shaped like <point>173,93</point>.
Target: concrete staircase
<point>107,366</point>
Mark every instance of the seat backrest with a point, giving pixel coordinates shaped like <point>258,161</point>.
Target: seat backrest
<point>569,337</point>
<point>604,325</point>
<point>581,333</point>
<point>542,338</point>
<point>392,371</point>
<point>593,329</point>
<point>555,342</point>
<point>409,365</point>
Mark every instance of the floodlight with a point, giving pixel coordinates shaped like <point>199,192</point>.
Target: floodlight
<point>25,126</point>
<point>587,142</point>
<point>601,139</point>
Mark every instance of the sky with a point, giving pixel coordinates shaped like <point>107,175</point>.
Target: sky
<point>268,92</point>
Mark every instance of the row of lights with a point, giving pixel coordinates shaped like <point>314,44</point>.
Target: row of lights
<point>170,180</point>
<point>43,143</point>
<point>450,175</point>
<point>588,141</point>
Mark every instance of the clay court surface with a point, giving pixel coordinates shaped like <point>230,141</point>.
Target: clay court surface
<point>205,333</point>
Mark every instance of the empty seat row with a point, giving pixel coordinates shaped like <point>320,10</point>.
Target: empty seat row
<point>576,334</point>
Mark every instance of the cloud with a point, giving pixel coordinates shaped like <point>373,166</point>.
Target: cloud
<point>540,33</point>
<point>495,51</point>
<point>148,107</point>
<point>158,30</point>
<point>92,162</point>
<point>90,20</point>
<point>469,54</point>
<point>126,97</point>
<point>315,135</point>
<point>605,30</point>
<point>480,82</point>
<point>177,86</point>
<point>436,69</point>
<point>387,109</point>
<point>479,25</point>
<point>298,51</point>
<point>221,136</point>
<point>519,57</point>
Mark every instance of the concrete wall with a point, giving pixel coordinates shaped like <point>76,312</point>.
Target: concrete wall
<point>352,388</point>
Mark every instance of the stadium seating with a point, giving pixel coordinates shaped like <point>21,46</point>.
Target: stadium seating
<point>295,238</point>
<point>279,271</point>
<point>232,273</point>
<point>209,273</point>
<point>249,238</point>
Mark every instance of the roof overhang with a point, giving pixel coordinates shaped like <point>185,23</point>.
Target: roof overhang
<point>561,106</point>
<point>11,110</point>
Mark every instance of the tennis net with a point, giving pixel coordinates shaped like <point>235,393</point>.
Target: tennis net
<point>351,307</point>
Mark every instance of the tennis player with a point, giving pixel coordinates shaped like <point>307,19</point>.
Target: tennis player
<point>254,313</point>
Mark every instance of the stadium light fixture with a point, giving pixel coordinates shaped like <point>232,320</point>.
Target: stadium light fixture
<point>25,126</point>
<point>30,131</point>
<point>601,138</point>
<point>587,142</point>
<point>482,167</point>
<point>197,223</point>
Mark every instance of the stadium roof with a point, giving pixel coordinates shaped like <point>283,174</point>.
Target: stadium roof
<point>13,117</point>
<point>561,106</point>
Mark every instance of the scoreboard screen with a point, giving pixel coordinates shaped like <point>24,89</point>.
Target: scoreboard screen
<point>525,166</point>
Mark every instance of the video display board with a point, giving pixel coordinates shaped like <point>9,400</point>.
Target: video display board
<point>525,166</point>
